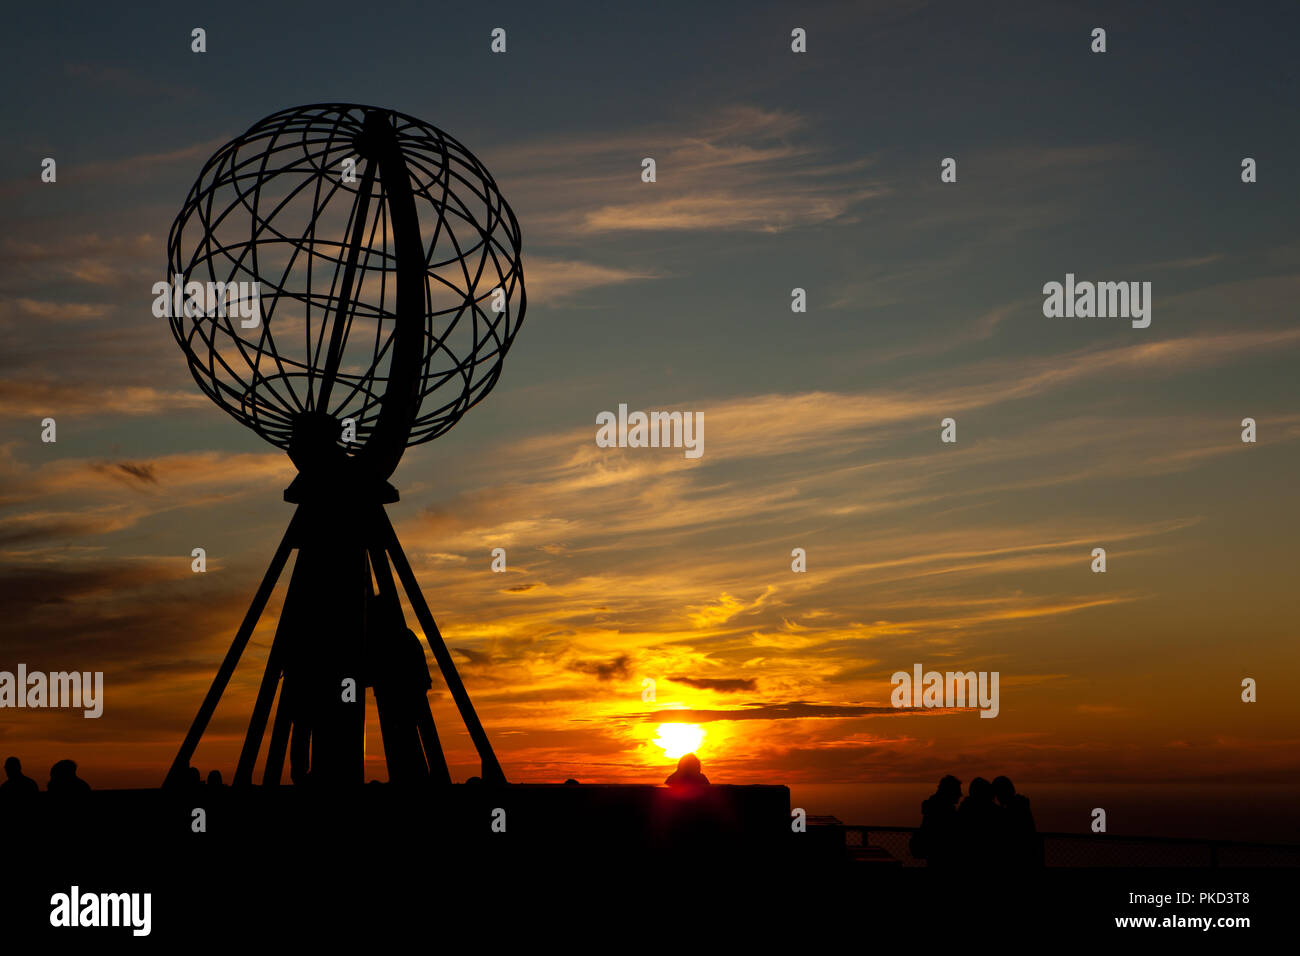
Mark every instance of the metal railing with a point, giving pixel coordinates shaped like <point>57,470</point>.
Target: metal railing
<point>1097,849</point>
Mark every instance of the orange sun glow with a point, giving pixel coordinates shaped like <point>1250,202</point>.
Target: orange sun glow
<point>679,739</point>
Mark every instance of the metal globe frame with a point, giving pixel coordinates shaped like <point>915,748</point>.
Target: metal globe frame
<point>404,321</point>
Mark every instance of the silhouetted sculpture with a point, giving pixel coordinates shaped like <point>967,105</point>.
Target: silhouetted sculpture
<point>979,823</point>
<point>1021,846</point>
<point>64,782</point>
<point>688,774</point>
<point>18,788</point>
<point>937,840</point>
<point>386,340</point>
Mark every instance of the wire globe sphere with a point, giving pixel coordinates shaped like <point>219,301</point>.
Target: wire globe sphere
<point>295,206</point>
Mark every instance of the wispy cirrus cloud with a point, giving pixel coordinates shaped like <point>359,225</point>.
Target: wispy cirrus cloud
<point>740,169</point>
<point>42,398</point>
<point>551,280</point>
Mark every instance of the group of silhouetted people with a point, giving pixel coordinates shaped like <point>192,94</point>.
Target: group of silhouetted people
<point>194,779</point>
<point>993,826</point>
<point>19,788</point>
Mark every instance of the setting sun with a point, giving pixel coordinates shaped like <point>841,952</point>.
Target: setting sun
<point>679,739</point>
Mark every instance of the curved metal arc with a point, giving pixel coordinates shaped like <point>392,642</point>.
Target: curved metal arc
<point>397,407</point>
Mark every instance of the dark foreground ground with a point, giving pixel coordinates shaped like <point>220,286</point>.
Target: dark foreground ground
<point>545,867</point>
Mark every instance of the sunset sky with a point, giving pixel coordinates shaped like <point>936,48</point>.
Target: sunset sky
<point>822,430</point>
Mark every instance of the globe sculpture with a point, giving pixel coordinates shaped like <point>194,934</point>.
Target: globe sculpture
<point>347,283</point>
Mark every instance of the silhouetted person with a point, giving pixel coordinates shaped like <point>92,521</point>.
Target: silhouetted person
<point>64,781</point>
<point>1020,844</point>
<point>937,839</point>
<point>18,788</point>
<point>214,779</point>
<point>688,773</point>
<point>693,824</point>
<point>979,823</point>
<point>400,676</point>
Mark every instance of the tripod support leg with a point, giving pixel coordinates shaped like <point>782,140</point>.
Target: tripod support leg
<point>279,740</point>
<point>177,773</point>
<point>394,691</point>
<point>437,760</point>
<point>491,769</point>
<point>275,660</point>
